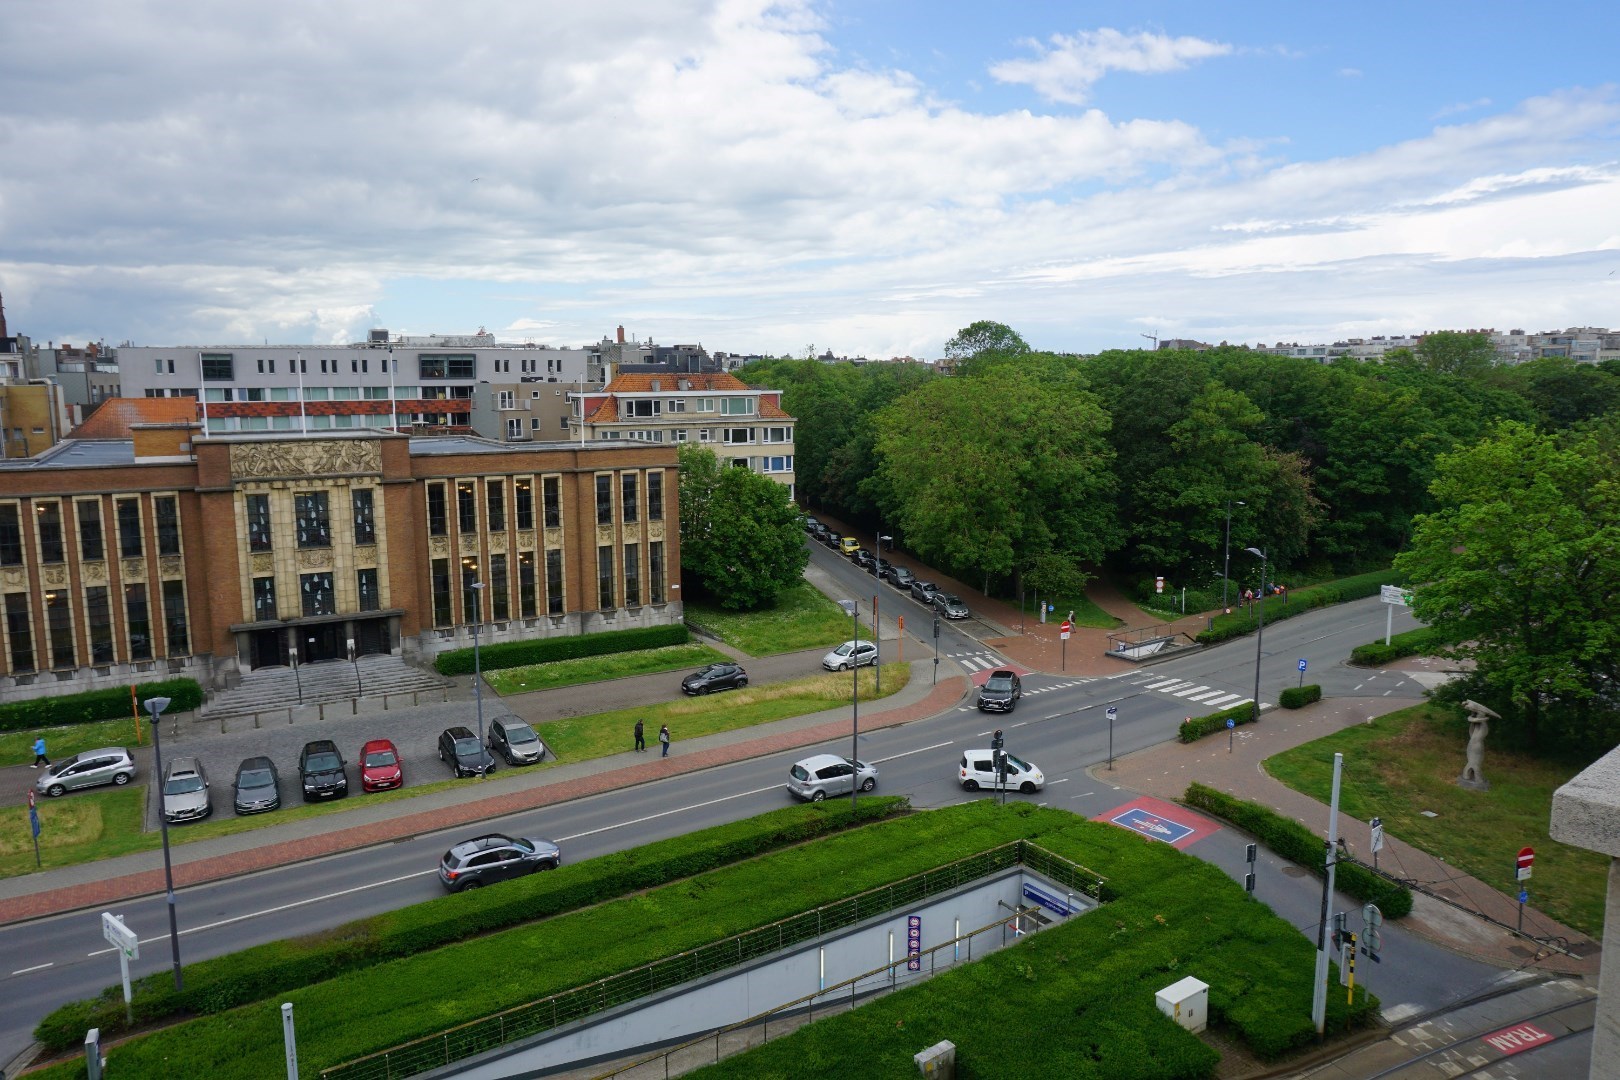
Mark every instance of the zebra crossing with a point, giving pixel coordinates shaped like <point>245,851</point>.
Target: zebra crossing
<point>978,661</point>
<point>1187,690</point>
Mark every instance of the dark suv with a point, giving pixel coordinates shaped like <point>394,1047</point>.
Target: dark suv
<point>483,859</point>
<point>320,765</point>
<point>1000,691</point>
<point>466,755</point>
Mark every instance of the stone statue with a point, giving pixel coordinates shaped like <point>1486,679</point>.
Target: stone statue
<point>1479,718</point>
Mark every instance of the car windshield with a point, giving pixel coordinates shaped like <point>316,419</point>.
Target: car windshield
<point>323,763</point>
<point>1002,683</point>
<point>379,758</point>
<point>522,845</point>
<point>256,778</point>
<point>1018,764</point>
<point>183,785</point>
<point>62,766</point>
<point>951,601</point>
<point>521,733</point>
<point>467,748</point>
<point>844,649</point>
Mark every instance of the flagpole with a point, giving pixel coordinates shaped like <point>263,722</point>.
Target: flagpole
<point>202,392</point>
<point>303,417</point>
<point>393,396</point>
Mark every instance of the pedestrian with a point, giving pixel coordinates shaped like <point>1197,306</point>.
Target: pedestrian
<point>641,740</point>
<point>39,753</point>
<point>1248,597</point>
<point>663,737</point>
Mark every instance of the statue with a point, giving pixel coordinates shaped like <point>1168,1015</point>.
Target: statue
<point>1479,718</point>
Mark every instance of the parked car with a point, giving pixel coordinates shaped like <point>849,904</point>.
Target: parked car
<point>849,545</point>
<point>923,590</point>
<point>185,790</point>
<point>112,765</point>
<point>900,577</point>
<point>879,567</point>
<point>817,777</point>
<point>483,859</point>
<point>380,768</point>
<point>811,524</point>
<point>1000,691</point>
<point>862,557</point>
<point>723,676</point>
<point>950,605</point>
<point>258,787</point>
<point>833,540</point>
<point>818,531</point>
<point>850,654</point>
<point>516,742</point>
<point>978,769</point>
<point>465,754</point>
<point>321,767</point>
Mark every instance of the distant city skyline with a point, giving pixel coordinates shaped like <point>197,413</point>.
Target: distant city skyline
<point>766,177</point>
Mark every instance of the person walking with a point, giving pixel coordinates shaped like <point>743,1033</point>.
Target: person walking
<point>39,753</point>
<point>663,737</point>
<point>641,739</point>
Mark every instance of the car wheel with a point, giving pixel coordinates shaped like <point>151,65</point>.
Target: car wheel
<point>548,865</point>
<point>441,754</point>
<point>818,796</point>
<point>707,690</point>
<point>742,682</point>
<point>970,785</point>
<point>474,884</point>
<point>843,667</point>
<point>868,784</point>
<point>1027,788</point>
<point>55,790</point>
<point>121,778</point>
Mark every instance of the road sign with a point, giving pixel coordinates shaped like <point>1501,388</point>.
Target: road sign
<point>1394,594</point>
<point>1231,723</point>
<point>1158,584</point>
<point>120,936</point>
<point>1111,712</point>
<point>1066,629</point>
<point>1527,856</point>
<point>1377,844</point>
<point>1302,663</point>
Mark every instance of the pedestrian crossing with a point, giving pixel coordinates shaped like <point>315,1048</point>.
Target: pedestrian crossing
<point>978,661</point>
<point>1187,690</point>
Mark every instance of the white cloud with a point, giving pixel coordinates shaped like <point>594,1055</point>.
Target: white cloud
<point>1461,107</point>
<point>1066,69</point>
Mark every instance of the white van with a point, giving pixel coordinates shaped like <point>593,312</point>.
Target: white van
<point>978,769</point>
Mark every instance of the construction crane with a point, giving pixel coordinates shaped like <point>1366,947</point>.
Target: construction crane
<point>1153,338</point>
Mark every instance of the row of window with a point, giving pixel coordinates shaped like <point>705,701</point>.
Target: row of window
<point>312,523</point>
<point>467,502</point>
<point>641,408</point>
<point>224,425</point>
<point>498,586</point>
<point>221,367</point>
<point>728,436</point>
<point>59,646</point>
<point>51,528</point>
<point>317,595</point>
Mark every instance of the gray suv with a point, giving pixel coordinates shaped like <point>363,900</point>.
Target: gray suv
<point>516,742</point>
<point>185,791</point>
<point>110,766</point>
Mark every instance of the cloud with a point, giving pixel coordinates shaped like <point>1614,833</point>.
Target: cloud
<point>1461,107</point>
<point>1066,69</point>
<point>1350,73</point>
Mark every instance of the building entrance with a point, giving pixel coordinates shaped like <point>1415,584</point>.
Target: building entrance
<point>268,648</point>
<point>321,641</point>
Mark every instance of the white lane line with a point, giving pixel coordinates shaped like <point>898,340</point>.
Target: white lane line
<point>667,813</point>
<point>1054,716</point>
<point>1082,795</point>
<point>1221,701</point>
<point>1205,696</point>
<point>1360,685</point>
<point>1162,682</point>
<point>906,753</point>
<point>1055,783</point>
<point>1190,690</point>
<point>36,967</point>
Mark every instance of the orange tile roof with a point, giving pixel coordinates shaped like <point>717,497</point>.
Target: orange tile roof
<point>116,416</point>
<point>641,383</point>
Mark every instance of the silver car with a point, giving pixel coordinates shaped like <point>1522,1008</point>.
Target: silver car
<point>817,777</point>
<point>112,765</point>
<point>185,790</point>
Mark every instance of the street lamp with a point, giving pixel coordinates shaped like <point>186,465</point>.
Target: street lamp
<point>854,609</point>
<point>1226,564</point>
<point>478,671</point>
<point>1261,633</point>
<point>155,706</point>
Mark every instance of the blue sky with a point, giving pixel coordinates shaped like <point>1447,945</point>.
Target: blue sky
<point>765,176</point>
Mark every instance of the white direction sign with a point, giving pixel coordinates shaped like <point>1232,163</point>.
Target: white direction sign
<point>120,936</point>
<point>1394,594</point>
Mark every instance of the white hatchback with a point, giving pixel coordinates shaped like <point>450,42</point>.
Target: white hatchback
<point>978,769</point>
<point>850,654</point>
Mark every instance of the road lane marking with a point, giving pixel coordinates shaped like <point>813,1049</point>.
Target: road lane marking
<point>37,967</point>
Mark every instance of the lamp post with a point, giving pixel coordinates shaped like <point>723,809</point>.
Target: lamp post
<point>155,706</point>
<point>854,609</point>
<point>1226,562</point>
<point>1261,633</point>
<point>292,651</point>
<point>478,671</point>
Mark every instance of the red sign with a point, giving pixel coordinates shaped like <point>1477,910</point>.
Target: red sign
<point>30,797</point>
<point>1066,629</point>
<point>1158,584</point>
<point>1511,1040</point>
<point>1527,856</point>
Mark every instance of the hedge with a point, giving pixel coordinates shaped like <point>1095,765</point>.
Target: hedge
<point>509,654</point>
<point>262,971</point>
<point>112,703</point>
<point>1199,726</point>
<point>1300,845</point>
<point>1424,641</point>
<point>1297,602</point>
<point>1297,697</point>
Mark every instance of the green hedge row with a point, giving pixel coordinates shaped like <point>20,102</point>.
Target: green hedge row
<point>1423,641</point>
<point>1298,844</point>
<point>510,654</point>
<point>1297,602</point>
<point>113,703</point>
<point>1297,697</point>
<point>1199,726</point>
<point>253,974</point>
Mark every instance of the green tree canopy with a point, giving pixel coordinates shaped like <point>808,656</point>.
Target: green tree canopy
<point>741,538</point>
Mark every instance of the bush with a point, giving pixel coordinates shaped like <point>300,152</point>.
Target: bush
<point>1298,844</point>
<point>95,705</point>
<point>1297,601</point>
<point>509,654</point>
<point>1199,726</point>
<point>1423,641</point>
<point>1297,697</point>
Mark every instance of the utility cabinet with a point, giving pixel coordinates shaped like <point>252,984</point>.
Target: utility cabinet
<point>1187,1003</point>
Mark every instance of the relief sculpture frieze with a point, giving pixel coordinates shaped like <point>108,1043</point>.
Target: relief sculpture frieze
<point>315,457</point>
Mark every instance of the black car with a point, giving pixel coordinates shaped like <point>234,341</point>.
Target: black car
<point>900,577</point>
<point>321,767</point>
<point>923,590</point>
<point>863,558</point>
<point>466,755</point>
<point>950,605</point>
<point>831,539</point>
<point>818,531</point>
<point>715,677</point>
<point>1000,691</point>
<point>483,859</point>
<point>811,524</point>
<point>516,742</point>
<point>258,787</point>
<point>880,567</point>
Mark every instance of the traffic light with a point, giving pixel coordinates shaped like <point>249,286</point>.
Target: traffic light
<point>1338,932</point>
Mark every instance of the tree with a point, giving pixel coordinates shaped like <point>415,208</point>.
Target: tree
<point>1518,562</point>
<point>982,343</point>
<point>741,537</point>
<point>1453,352</point>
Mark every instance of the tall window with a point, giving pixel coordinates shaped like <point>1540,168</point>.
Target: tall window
<point>365,522</point>
<point>655,496</point>
<point>174,618</point>
<point>472,605</point>
<point>604,499</point>
<point>91,548</point>
<point>19,632</point>
<point>258,522</point>
<point>50,531</point>
<point>129,527</point>
<point>627,498</point>
<point>553,498</point>
<point>138,621</point>
<point>495,504</point>
<point>525,504</point>
<point>11,548</point>
<point>632,575</point>
<point>604,577</point>
<point>218,367</point>
<point>98,623</point>
<point>366,584</point>
<point>440,576</point>
<point>316,592</point>
<point>264,599</point>
<point>467,506</point>
<point>310,517</point>
<point>655,572</point>
<point>59,627</point>
<point>166,516</point>
<point>526,592</point>
<point>500,603</point>
<point>438,514</point>
<point>554,582</point>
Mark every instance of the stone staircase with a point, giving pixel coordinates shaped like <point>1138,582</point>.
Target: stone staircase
<point>273,689</point>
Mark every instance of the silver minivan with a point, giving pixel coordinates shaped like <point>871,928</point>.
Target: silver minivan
<point>112,765</point>
<point>185,790</point>
<point>817,777</point>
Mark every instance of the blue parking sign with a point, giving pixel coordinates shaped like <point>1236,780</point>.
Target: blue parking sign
<point>1302,664</point>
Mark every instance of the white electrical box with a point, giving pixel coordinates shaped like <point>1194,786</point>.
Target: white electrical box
<point>1187,1003</point>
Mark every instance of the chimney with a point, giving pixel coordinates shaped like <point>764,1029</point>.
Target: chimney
<point>621,334</point>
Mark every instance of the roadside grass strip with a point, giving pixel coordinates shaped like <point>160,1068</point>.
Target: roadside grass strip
<point>801,619</point>
<point>531,677</point>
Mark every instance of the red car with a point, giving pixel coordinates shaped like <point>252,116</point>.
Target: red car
<point>380,769</point>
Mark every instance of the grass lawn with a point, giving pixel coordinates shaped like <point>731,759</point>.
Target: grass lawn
<point>802,619</point>
<point>17,747</point>
<point>587,669</point>
<point>1407,762</point>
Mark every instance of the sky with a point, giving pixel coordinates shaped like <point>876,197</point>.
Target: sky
<point>864,176</point>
